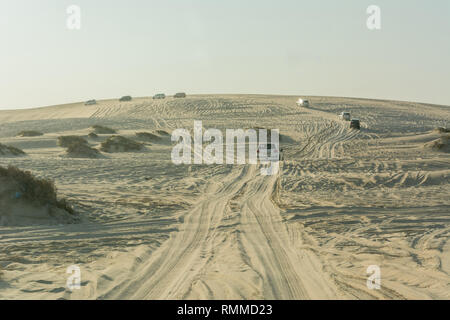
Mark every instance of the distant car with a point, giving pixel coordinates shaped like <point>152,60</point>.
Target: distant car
<point>302,103</point>
<point>90,102</point>
<point>345,116</point>
<point>355,124</point>
<point>159,96</point>
<point>272,152</point>
<point>125,98</point>
<point>180,95</point>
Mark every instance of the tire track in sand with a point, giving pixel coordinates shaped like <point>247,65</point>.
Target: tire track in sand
<point>169,271</point>
<point>257,242</point>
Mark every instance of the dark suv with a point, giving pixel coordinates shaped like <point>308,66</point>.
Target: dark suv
<point>180,95</point>
<point>355,124</point>
<point>125,98</point>
<point>159,96</point>
<point>90,102</point>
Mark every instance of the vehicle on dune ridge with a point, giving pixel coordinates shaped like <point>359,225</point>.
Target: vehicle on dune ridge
<point>302,103</point>
<point>345,116</point>
<point>355,124</point>
<point>159,96</point>
<point>125,98</point>
<point>90,102</point>
<point>180,95</point>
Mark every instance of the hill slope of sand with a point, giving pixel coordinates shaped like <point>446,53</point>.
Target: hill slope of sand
<point>342,201</point>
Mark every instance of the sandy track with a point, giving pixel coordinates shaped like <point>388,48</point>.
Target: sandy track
<point>170,270</point>
<point>342,200</point>
<point>182,267</point>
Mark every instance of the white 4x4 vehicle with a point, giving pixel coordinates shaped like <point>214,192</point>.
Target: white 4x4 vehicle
<point>302,103</point>
<point>271,154</point>
<point>345,116</point>
<point>159,96</point>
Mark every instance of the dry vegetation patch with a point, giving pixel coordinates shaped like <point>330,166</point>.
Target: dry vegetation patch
<point>92,135</point>
<point>10,151</point>
<point>443,130</point>
<point>29,133</point>
<point>442,144</point>
<point>20,187</point>
<point>67,141</point>
<point>147,136</point>
<point>162,133</point>
<point>103,130</point>
<point>77,147</point>
<point>82,151</point>
<point>120,144</point>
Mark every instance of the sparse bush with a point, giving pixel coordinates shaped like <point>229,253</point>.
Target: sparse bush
<point>67,141</point>
<point>162,133</point>
<point>442,144</point>
<point>103,130</point>
<point>77,147</point>
<point>37,191</point>
<point>34,189</point>
<point>10,151</point>
<point>82,151</point>
<point>93,135</point>
<point>65,205</point>
<point>147,136</point>
<point>120,144</point>
<point>29,133</point>
<point>443,130</point>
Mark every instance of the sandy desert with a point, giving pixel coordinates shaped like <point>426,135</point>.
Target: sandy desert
<point>145,228</point>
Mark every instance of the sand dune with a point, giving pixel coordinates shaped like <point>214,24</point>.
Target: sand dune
<point>343,200</point>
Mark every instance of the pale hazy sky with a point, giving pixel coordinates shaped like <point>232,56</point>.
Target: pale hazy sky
<point>141,47</point>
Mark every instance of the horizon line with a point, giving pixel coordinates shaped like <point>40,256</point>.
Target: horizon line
<point>238,94</point>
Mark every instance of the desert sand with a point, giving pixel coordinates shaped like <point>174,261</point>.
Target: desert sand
<point>343,200</point>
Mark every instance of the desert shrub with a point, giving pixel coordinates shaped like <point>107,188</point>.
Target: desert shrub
<point>65,205</point>
<point>443,130</point>
<point>10,151</point>
<point>103,130</point>
<point>67,141</point>
<point>92,135</point>
<point>162,132</point>
<point>120,144</point>
<point>77,147</point>
<point>36,190</point>
<point>147,136</point>
<point>29,133</point>
<point>441,144</point>
<point>82,151</point>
